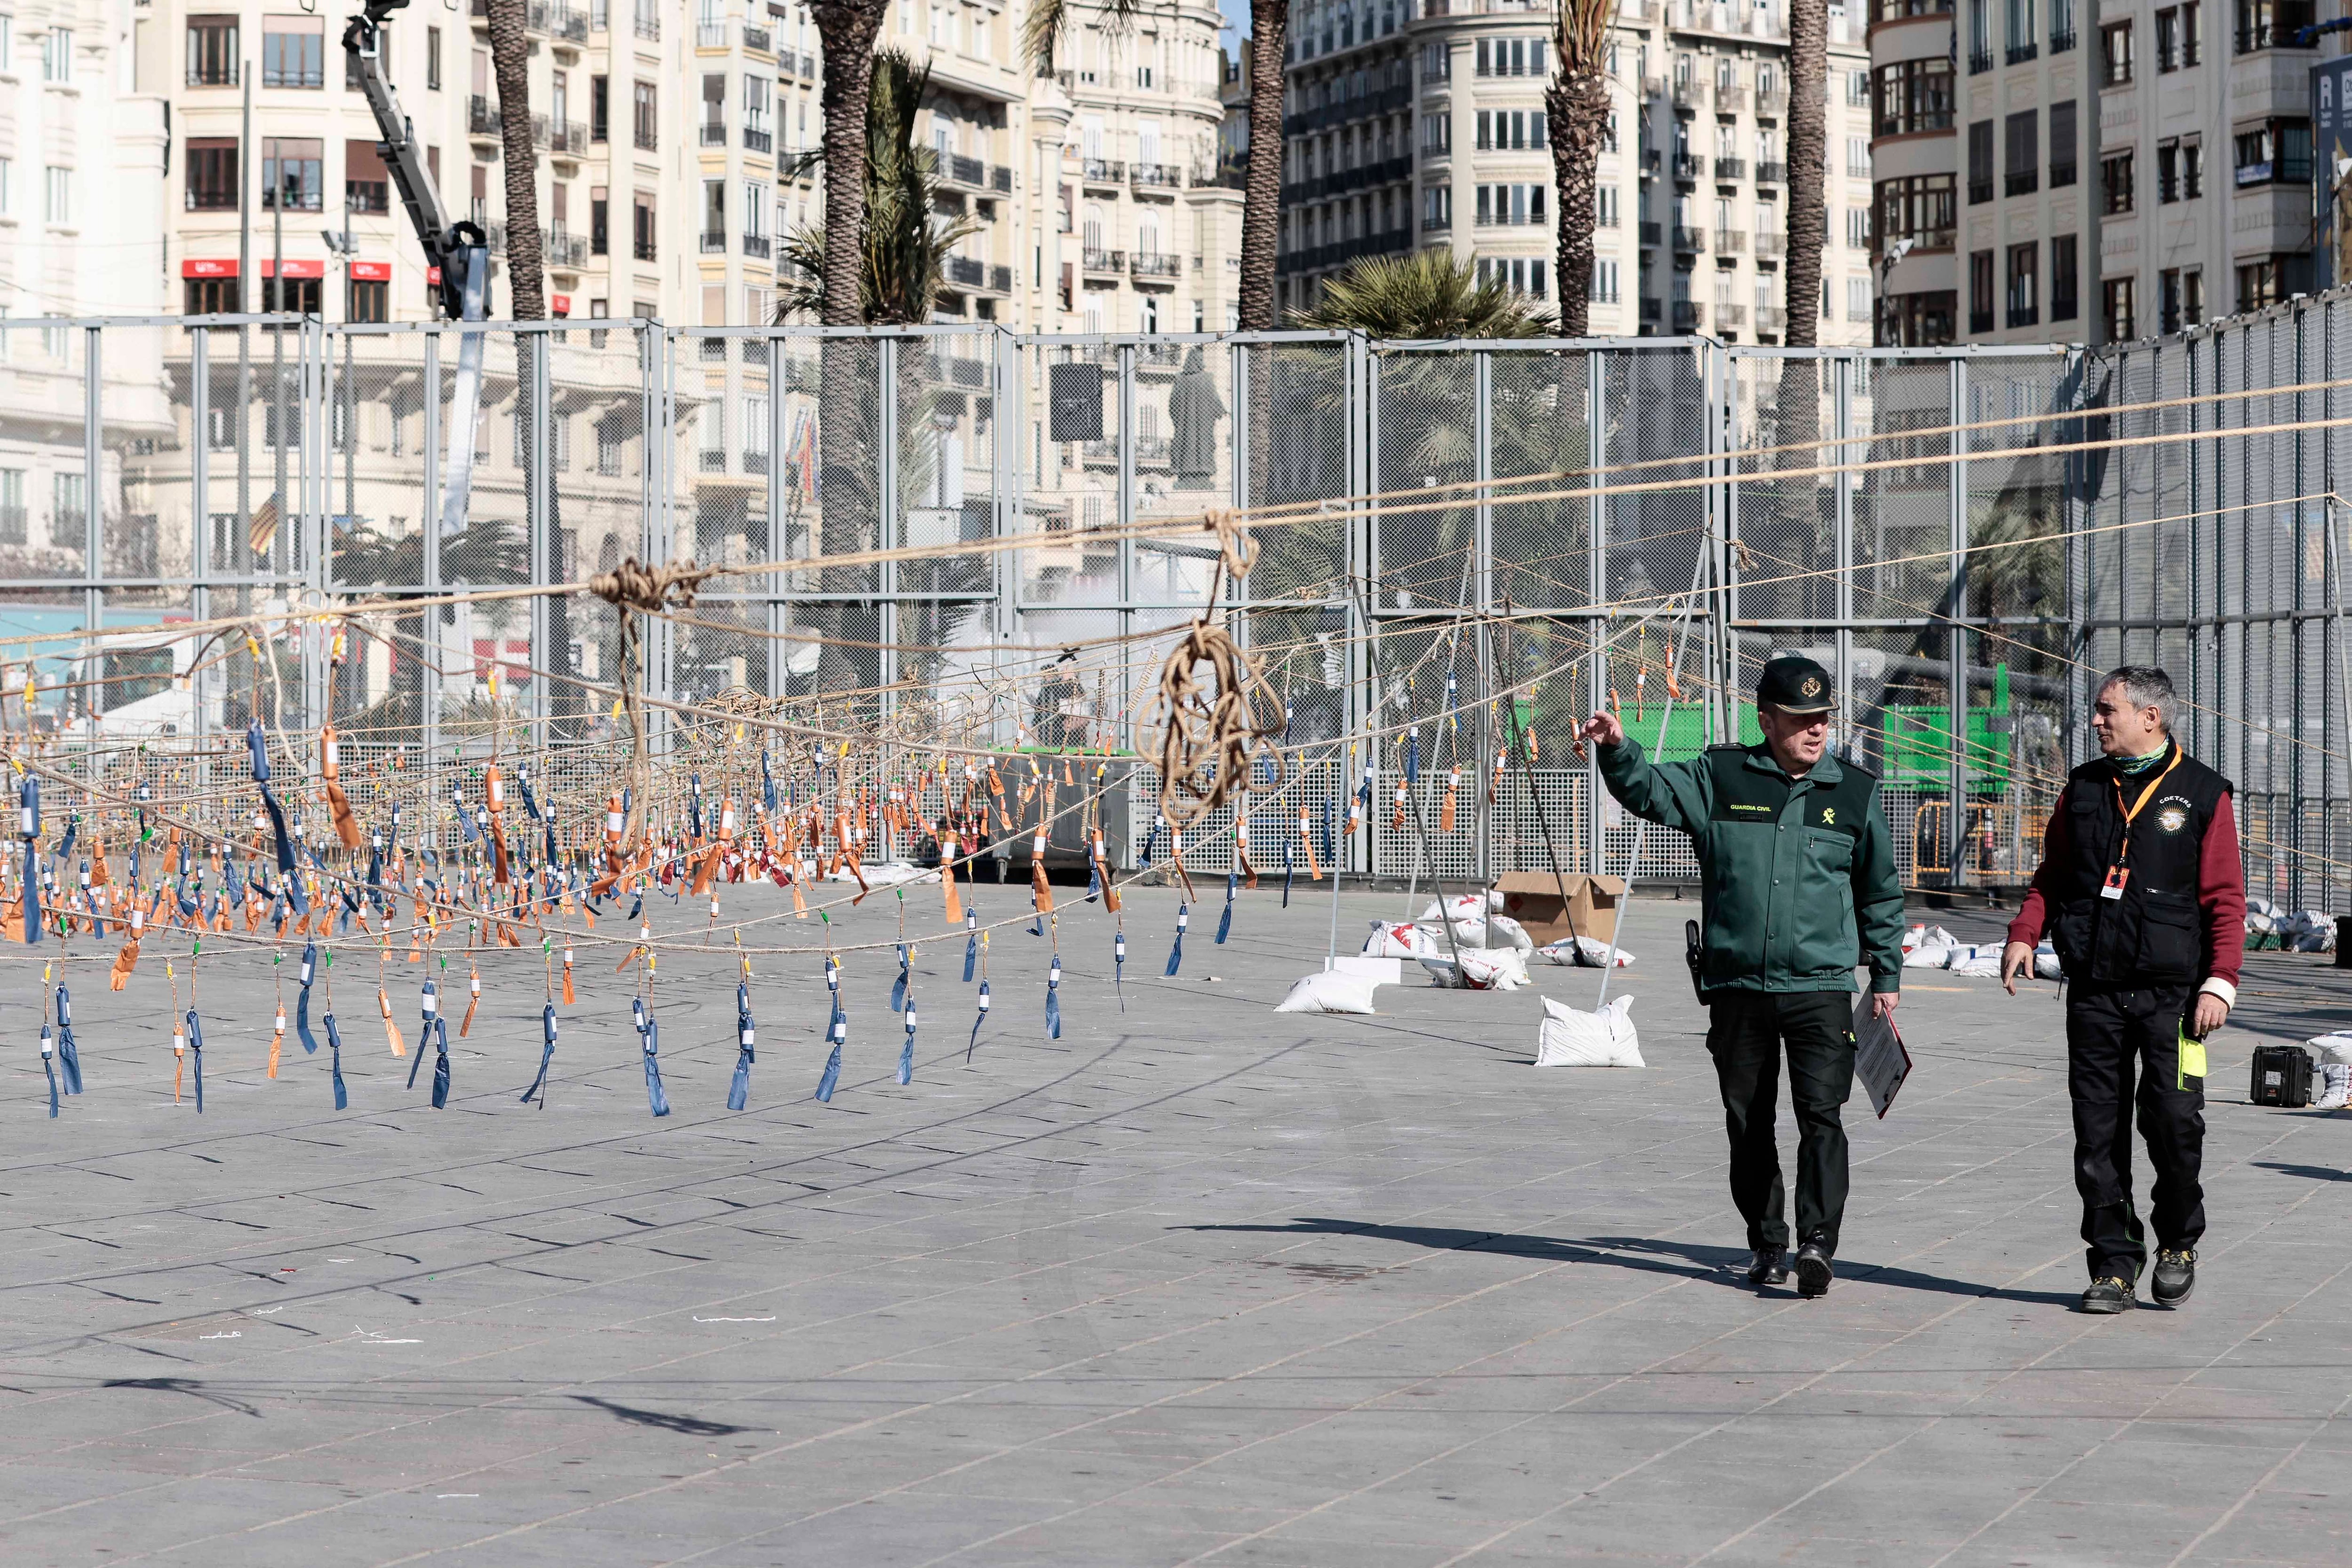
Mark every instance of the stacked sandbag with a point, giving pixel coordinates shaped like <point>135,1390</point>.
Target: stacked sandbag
<point>2308,931</point>
<point>1584,952</point>
<point>1332,991</point>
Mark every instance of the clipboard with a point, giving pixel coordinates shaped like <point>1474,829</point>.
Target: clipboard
<point>1880,1060</point>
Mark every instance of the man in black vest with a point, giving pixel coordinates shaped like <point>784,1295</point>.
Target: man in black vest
<point>1798,886</point>
<point>2144,896</point>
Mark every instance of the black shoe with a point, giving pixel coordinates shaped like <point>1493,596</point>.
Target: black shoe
<point>1770,1266</point>
<point>2176,1276</point>
<point>1813,1272</point>
<point>2109,1293</point>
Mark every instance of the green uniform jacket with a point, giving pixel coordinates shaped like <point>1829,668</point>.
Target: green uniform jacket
<point>1800,884</point>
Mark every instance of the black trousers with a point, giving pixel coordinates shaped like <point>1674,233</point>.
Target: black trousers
<point>2109,1032</point>
<point>1746,1033</point>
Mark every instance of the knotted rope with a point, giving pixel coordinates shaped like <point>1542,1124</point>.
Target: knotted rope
<point>633,587</point>
<point>1205,739</point>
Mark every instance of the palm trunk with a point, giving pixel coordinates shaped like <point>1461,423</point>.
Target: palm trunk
<point>1578,103</point>
<point>845,31</point>
<point>1808,133</point>
<point>1261,201</point>
<point>510,64</point>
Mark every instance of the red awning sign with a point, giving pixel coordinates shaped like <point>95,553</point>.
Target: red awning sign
<point>193,269</point>
<point>296,269</point>
<point>365,271</point>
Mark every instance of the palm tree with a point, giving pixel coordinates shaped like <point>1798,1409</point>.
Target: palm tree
<point>1262,196</point>
<point>509,61</point>
<point>845,31</point>
<point>1809,29</point>
<point>1576,102</point>
<point>1422,294</point>
<point>902,247</point>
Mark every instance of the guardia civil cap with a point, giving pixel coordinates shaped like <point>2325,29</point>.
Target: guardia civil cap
<point>1795,683</point>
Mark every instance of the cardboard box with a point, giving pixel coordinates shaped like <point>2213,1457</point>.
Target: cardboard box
<point>1532,898</point>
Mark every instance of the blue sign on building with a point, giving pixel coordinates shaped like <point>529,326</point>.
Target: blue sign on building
<point>2331,187</point>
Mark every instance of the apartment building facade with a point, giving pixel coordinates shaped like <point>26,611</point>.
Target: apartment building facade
<point>2070,174</point>
<point>1407,130</point>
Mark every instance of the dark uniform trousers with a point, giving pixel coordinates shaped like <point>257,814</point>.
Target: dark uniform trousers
<point>1746,1033</point>
<point>2110,1033</point>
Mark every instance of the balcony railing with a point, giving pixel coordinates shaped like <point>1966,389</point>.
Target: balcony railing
<point>1772,102</point>
<point>1730,100</point>
<point>1103,171</point>
<point>648,21</point>
<point>2017,54</point>
<point>2061,38</point>
<point>1651,233</point>
<point>2062,174</point>
<point>1167,174</point>
<point>566,250</point>
<point>643,248</point>
<point>1730,242</point>
<point>1146,265</point>
<point>714,135</point>
<point>757,141</point>
<point>481,117</point>
<point>711,35</point>
<point>2021,181</point>
<point>569,139</point>
<point>1771,319</point>
<point>1689,166</point>
<point>1729,314</point>
<point>1771,245</point>
<point>1690,240</point>
<point>1777,174</point>
<point>1103,260</point>
<point>1690,94</point>
<point>1730,168</point>
<point>758,40</point>
<point>1979,62</point>
<point>1687,316</point>
<point>714,244</point>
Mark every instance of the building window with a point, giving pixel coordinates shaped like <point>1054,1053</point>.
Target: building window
<point>643,232</point>
<point>1437,133</point>
<point>56,55</point>
<point>2024,293</point>
<point>2065,300</point>
<point>1605,282</point>
<point>600,109</point>
<point>1511,57</point>
<point>1922,208</point>
<point>57,204</point>
<point>1912,96</point>
<point>1437,207</point>
<point>12,506</point>
<point>2116,54</point>
<point>1520,275</point>
<point>648,112</point>
<point>1923,320</point>
<point>1979,161</point>
<point>600,223</point>
<point>211,297</point>
<point>212,51</point>
<point>212,173</point>
<point>292,174</point>
<point>1857,299</point>
<point>2276,153</point>
<point>367,184</point>
<point>1981,291</point>
<point>2021,175</point>
<point>370,300</point>
<point>1512,205</point>
<point>2180,298</point>
<point>300,297</point>
<point>1857,228</point>
<point>2269,279</point>
<point>293,51</point>
<point>2116,177</point>
<point>2062,143</point>
<point>432,59</point>
<point>69,510</point>
<point>1605,207</point>
<point>1510,131</point>
<point>2271,24</point>
<point>2024,41</point>
<point>2115,300</point>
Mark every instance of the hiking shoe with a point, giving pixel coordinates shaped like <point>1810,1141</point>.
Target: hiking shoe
<point>1813,1272</point>
<point>2108,1293</point>
<point>2176,1276</point>
<point>1770,1266</point>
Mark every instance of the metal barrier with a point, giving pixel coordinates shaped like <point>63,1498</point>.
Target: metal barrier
<point>1926,523</point>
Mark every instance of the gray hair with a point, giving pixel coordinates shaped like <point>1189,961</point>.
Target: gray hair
<point>2146,686</point>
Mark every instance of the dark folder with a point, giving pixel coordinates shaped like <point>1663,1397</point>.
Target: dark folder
<point>1879,1058</point>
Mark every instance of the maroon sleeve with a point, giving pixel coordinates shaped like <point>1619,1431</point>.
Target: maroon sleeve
<point>2035,914</point>
<point>2221,893</point>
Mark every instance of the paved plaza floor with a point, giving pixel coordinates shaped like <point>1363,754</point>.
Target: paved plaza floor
<point>1197,1283</point>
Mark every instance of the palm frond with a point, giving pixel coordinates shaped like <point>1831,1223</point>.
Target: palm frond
<point>1047,23</point>
<point>1581,38</point>
<point>1423,294</point>
<point>904,243</point>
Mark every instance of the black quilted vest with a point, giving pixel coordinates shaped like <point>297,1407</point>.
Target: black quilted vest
<point>2154,934</point>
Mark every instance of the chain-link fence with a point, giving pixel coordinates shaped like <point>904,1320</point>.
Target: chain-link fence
<point>1964,537</point>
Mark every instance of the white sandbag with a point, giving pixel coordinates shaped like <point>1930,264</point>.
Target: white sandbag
<point>2045,963</point>
<point>1573,1039</point>
<point>1393,941</point>
<point>1332,991</point>
<point>1926,936</point>
<point>886,873</point>
<point>1502,931</point>
<point>2332,1086</point>
<point>2262,916</point>
<point>1465,906</point>
<point>2336,1046</point>
<point>1482,968</point>
<point>2308,931</point>
<point>1595,953</point>
<point>1979,963</point>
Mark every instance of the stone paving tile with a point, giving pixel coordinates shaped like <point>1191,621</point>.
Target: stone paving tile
<point>1196,1283</point>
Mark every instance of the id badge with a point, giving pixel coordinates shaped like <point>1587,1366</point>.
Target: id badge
<point>2114,886</point>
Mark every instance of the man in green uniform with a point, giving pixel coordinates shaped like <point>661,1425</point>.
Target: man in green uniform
<point>1799,888</point>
